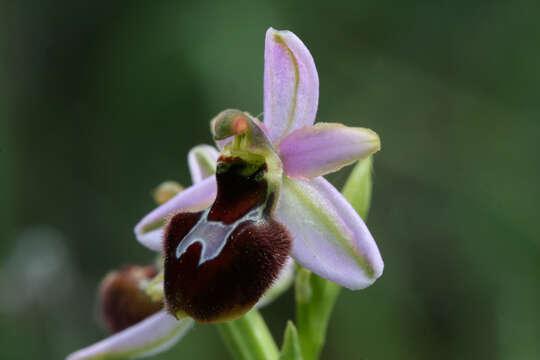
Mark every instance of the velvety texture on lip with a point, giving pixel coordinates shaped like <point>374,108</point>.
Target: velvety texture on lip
<point>227,286</point>
<point>219,262</point>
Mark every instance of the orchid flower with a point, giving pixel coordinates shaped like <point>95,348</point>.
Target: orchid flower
<point>131,300</point>
<point>229,237</point>
<point>270,181</point>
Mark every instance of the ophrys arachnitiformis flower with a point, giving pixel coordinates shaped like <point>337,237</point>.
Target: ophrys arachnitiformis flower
<point>227,237</point>
<point>268,193</point>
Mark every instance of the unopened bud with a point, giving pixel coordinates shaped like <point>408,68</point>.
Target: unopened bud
<point>303,289</point>
<point>166,191</point>
<point>357,189</point>
<point>123,299</point>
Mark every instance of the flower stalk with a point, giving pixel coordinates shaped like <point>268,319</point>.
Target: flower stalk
<point>313,313</point>
<point>249,338</point>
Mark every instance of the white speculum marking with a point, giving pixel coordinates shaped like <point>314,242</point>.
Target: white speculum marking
<point>213,235</point>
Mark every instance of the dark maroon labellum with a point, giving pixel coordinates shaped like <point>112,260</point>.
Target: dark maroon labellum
<point>219,262</point>
<point>123,301</point>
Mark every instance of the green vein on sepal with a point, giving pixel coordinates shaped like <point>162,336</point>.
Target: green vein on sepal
<point>332,225</point>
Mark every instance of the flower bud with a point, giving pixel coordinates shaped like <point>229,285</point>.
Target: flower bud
<point>123,299</point>
<point>166,191</point>
<point>357,189</point>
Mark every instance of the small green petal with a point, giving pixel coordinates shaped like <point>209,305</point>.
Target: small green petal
<point>291,346</point>
<point>357,189</point>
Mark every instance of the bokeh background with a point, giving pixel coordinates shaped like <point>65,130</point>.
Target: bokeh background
<point>100,101</point>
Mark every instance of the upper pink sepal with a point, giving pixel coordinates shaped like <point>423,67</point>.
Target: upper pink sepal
<point>291,84</point>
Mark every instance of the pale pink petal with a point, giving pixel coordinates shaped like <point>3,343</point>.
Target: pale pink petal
<point>324,148</point>
<point>151,336</point>
<point>202,162</point>
<point>291,84</point>
<point>329,238</point>
<point>149,231</point>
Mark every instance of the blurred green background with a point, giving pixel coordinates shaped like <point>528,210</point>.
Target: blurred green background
<point>100,101</point>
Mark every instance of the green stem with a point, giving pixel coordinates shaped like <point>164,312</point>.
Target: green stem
<point>248,338</point>
<point>315,300</point>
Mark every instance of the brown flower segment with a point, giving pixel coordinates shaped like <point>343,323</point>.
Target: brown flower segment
<point>123,300</point>
<point>218,263</point>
